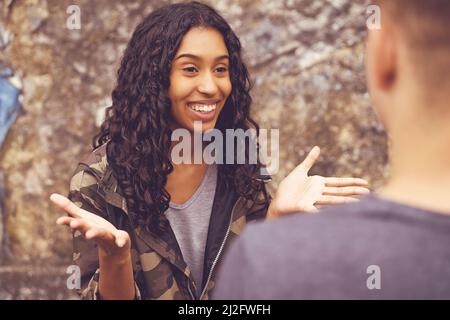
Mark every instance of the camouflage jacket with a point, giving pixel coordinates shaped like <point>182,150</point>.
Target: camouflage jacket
<point>159,269</point>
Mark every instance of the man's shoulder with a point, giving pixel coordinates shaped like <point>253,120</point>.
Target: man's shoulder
<point>374,222</point>
<point>305,221</point>
<point>330,229</point>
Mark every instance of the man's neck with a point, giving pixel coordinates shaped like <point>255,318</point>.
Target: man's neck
<point>420,174</point>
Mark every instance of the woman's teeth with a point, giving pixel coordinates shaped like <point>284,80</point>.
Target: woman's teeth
<point>203,108</point>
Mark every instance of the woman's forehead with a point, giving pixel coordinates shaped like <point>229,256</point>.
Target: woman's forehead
<point>202,43</point>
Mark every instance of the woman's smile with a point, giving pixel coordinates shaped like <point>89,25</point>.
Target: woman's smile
<point>203,110</point>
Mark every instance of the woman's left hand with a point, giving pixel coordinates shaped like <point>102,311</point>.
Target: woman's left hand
<point>299,192</point>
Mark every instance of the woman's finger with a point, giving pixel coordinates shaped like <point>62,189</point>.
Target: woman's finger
<point>345,191</point>
<point>330,200</point>
<point>67,205</point>
<point>64,221</point>
<point>310,160</point>
<point>345,182</point>
<point>80,225</point>
<point>91,233</point>
<point>105,235</point>
<point>73,223</point>
<point>121,238</point>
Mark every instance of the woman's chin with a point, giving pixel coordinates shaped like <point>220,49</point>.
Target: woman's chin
<point>201,126</point>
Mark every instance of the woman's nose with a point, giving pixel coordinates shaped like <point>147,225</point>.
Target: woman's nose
<point>207,84</point>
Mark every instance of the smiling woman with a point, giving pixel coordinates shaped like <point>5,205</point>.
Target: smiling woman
<point>144,225</point>
<point>161,225</point>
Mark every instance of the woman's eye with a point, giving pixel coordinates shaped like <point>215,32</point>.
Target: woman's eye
<point>190,69</point>
<point>221,69</point>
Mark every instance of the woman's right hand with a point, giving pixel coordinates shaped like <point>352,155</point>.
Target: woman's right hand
<point>111,241</point>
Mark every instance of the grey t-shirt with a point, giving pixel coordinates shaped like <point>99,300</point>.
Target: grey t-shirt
<point>374,249</point>
<point>190,221</point>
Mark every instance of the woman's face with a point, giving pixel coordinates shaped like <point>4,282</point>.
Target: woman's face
<point>199,79</point>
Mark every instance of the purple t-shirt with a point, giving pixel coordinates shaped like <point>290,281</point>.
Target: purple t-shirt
<point>374,249</point>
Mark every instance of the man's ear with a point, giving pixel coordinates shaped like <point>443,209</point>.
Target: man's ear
<point>382,54</point>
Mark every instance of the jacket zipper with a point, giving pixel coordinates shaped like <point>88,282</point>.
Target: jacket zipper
<point>190,291</point>
<point>220,250</point>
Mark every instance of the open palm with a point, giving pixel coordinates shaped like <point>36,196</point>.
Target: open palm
<point>111,241</point>
<point>299,192</point>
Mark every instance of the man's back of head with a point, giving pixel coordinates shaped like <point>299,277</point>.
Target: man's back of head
<point>408,73</point>
<point>390,245</point>
<point>418,34</point>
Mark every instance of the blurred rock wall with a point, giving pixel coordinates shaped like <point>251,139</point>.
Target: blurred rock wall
<point>306,59</point>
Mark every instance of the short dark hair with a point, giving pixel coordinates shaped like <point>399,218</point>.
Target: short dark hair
<point>425,22</point>
<point>424,25</point>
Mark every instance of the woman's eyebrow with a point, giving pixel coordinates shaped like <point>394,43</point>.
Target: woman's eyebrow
<point>192,56</point>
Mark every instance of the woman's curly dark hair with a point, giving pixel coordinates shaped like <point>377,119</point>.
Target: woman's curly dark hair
<point>137,124</point>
